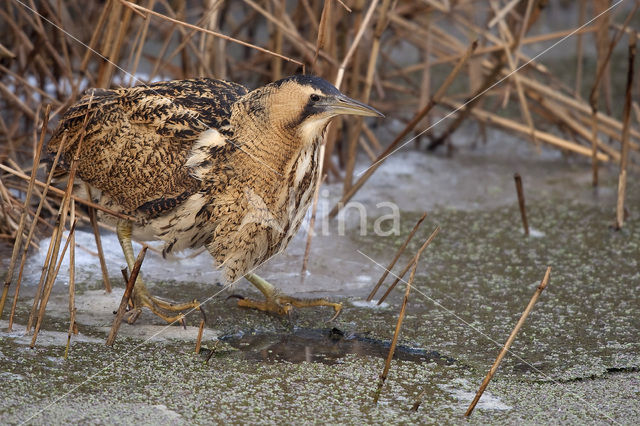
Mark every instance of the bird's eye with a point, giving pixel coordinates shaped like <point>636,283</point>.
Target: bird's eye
<point>315,98</point>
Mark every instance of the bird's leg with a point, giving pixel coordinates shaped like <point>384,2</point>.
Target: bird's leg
<point>278,303</point>
<point>141,297</point>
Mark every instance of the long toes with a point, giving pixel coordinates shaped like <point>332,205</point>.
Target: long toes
<point>133,315</point>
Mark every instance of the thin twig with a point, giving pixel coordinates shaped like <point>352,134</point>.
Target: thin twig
<point>60,192</point>
<point>396,334</point>
<point>125,297</point>
<point>411,262</point>
<point>523,211</point>
<point>509,341</point>
<point>210,32</point>
<point>25,213</point>
<point>396,257</point>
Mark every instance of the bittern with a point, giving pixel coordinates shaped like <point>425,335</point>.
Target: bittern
<point>205,162</point>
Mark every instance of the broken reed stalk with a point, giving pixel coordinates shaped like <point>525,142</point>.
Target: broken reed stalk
<point>396,334</point>
<point>509,341</point>
<point>595,91</point>
<point>96,234</point>
<point>397,256</point>
<point>408,128</point>
<point>56,238</point>
<point>61,193</point>
<point>418,402</point>
<point>25,213</point>
<point>321,153</point>
<point>125,297</point>
<point>312,224</point>
<point>206,31</point>
<point>523,210</point>
<point>72,281</point>
<point>203,321</point>
<point>626,116</point>
<point>411,262</point>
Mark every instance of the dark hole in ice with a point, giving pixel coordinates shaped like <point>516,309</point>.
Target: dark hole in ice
<point>327,346</point>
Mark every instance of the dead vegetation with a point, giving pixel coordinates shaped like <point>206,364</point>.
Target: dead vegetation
<point>430,65</point>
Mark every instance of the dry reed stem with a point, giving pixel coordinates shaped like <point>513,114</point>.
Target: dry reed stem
<point>60,192</point>
<point>24,253</point>
<point>396,257</point>
<point>408,128</point>
<point>96,234</point>
<point>72,281</point>
<point>365,96</point>
<point>411,262</point>
<point>321,153</point>
<point>125,297</point>
<point>513,65</point>
<point>396,334</point>
<point>56,237</point>
<point>497,47</point>
<point>306,48</point>
<point>36,216</point>
<point>509,341</point>
<point>323,32</point>
<point>577,105</point>
<point>523,210</point>
<point>25,213</point>
<point>310,232</point>
<point>559,114</point>
<point>579,48</point>
<point>200,333</point>
<point>543,136</point>
<point>418,402</point>
<point>54,269</point>
<point>602,71</point>
<point>210,32</point>
<point>624,154</point>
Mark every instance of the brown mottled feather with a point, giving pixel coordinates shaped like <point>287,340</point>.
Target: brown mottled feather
<point>203,162</point>
<point>138,139</point>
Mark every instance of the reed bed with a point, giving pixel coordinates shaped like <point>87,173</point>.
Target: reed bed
<point>432,66</point>
<point>52,51</point>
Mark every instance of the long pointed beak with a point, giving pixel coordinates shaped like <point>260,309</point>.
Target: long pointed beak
<point>344,105</point>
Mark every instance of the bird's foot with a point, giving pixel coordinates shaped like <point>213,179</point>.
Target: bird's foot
<point>281,304</point>
<point>166,310</point>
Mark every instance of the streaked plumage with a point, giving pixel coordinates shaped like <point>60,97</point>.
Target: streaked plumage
<point>206,162</point>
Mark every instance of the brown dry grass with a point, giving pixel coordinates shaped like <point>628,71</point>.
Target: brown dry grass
<point>51,51</point>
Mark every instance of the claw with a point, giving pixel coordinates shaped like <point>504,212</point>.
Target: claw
<point>278,303</point>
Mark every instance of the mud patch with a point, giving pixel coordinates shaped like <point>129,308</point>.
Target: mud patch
<point>327,346</point>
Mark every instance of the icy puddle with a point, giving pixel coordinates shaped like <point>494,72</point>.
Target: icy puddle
<point>327,346</point>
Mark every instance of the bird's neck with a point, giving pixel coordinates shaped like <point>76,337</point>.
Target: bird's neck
<point>273,148</point>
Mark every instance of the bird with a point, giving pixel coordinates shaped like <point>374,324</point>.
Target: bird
<point>204,163</point>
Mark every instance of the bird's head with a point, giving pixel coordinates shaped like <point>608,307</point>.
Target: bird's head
<point>304,104</point>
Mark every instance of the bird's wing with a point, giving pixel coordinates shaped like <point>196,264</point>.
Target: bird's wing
<point>137,140</point>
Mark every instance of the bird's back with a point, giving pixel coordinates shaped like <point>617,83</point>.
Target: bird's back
<point>137,140</point>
